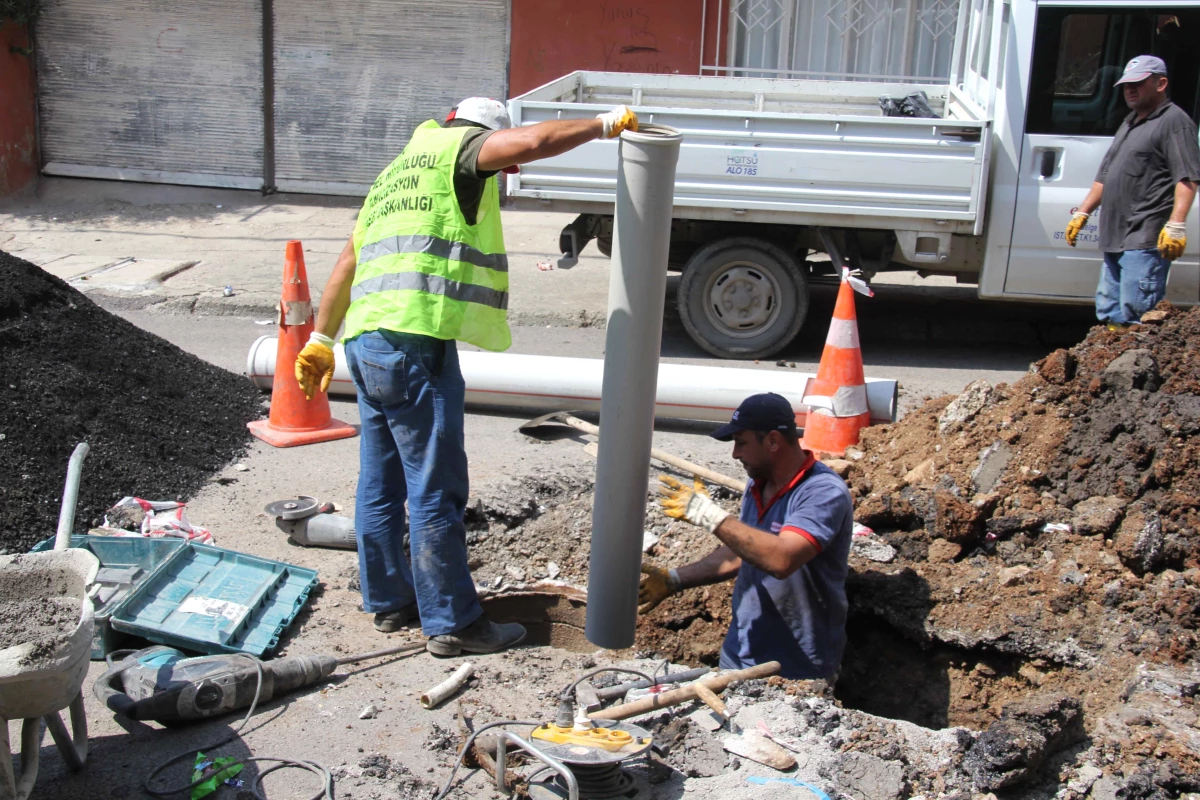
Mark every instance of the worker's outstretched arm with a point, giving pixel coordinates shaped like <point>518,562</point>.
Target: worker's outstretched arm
<point>513,146</point>
<point>777,555</point>
<point>314,364</point>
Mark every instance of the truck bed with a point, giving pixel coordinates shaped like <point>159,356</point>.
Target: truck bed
<point>764,150</point>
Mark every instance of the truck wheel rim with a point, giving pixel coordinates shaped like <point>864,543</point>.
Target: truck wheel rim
<point>742,300</point>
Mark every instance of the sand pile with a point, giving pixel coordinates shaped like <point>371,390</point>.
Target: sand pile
<point>159,421</point>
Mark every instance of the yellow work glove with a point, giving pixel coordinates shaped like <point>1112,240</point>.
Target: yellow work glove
<point>1075,226</point>
<point>657,585</point>
<point>617,120</point>
<point>1171,240</point>
<point>314,365</point>
<point>690,503</point>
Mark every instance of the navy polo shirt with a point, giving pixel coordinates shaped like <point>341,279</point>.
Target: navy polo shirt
<point>799,621</point>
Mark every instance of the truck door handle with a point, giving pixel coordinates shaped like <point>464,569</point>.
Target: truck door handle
<point>1049,161</point>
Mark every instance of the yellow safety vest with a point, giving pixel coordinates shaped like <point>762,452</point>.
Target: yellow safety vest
<point>421,268</point>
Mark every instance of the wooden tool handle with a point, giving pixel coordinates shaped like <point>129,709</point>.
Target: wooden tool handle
<point>716,683</point>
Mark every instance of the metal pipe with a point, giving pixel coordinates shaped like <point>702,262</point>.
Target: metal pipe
<point>637,289</point>
<point>66,513</point>
<point>540,384</point>
<point>504,738</point>
<point>621,689</point>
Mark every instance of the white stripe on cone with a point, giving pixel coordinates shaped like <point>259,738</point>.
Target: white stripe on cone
<point>843,333</point>
<point>848,401</point>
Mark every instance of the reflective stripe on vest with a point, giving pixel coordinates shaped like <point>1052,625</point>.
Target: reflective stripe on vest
<point>421,243</point>
<point>434,284</point>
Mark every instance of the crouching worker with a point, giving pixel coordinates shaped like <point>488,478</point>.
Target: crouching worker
<point>788,549</point>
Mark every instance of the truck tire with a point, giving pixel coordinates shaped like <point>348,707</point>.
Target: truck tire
<point>742,298</point>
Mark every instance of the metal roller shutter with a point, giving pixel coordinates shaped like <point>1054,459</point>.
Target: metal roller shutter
<point>353,79</point>
<point>152,90</point>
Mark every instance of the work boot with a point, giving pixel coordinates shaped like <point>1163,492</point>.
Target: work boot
<point>392,621</point>
<point>481,636</point>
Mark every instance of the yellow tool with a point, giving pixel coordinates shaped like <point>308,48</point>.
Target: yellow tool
<point>611,739</point>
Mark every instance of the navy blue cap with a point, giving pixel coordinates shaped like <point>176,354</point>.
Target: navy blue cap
<point>759,412</point>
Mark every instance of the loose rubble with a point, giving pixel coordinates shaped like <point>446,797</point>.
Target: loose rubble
<point>1024,615</point>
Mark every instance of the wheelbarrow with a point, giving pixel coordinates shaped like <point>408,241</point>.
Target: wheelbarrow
<point>40,678</point>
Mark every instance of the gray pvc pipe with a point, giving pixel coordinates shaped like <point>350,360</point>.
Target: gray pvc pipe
<point>66,513</point>
<point>636,292</point>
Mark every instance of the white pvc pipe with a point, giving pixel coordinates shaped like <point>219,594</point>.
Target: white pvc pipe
<point>438,694</point>
<point>637,289</point>
<point>540,384</point>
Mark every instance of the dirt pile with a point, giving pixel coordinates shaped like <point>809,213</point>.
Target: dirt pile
<point>159,421</point>
<point>1046,537</point>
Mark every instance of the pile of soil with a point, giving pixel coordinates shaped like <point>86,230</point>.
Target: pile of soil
<point>1046,537</point>
<point>1039,583</point>
<point>159,421</point>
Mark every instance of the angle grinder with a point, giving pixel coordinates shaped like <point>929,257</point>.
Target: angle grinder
<point>162,684</point>
<point>311,523</point>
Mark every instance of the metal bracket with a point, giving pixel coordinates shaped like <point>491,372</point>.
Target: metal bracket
<point>554,764</point>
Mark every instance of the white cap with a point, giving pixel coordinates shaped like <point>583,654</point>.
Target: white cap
<point>487,112</point>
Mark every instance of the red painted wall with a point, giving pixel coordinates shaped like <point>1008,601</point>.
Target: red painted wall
<point>18,122</point>
<point>553,37</point>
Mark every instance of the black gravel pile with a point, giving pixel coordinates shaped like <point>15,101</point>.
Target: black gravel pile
<point>159,421</point>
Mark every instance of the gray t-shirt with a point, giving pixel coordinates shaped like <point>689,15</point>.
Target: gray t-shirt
<point>468,181</point>
<point>1144,163</point>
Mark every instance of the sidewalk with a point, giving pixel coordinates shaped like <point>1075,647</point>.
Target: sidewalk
<point>174,249</point>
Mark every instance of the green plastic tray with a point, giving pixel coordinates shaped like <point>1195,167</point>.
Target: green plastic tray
<point>212,600</point>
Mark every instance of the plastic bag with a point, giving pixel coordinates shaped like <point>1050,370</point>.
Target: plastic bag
<point>133,516</point>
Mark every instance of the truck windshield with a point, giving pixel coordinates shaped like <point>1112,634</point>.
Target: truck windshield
<point>1079,53</point>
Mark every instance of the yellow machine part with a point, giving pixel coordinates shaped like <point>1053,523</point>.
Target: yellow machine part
<point>610,739</point>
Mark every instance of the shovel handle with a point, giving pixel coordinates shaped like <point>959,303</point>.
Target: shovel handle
<point>712,476</point>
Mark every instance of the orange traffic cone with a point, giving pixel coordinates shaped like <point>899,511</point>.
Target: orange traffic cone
<point>837,397</point>
<point>295,420</point>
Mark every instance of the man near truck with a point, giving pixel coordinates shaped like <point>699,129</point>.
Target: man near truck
<point>1147,182</point>
<point>424,268</point>
<point>788,549</point>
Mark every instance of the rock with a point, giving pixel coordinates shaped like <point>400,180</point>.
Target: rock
<point>649,539</point>
<point>1014,747</point>
<point>1133,369</point>
<point>516,573</point>
<point>1010,576</point>
<point>838,465</point>
<point>1139,541</point>
<point>953,519</point>
<point>1097,516</point>
<point>872,548</point>
<point>1013,522</point>
<point>941,551</point>
<point>921,473</point>
<point>1058,367</point>
<point>706,719</point>
<point>1087,775</point>
<point>867,777</point>
<point>755,746</point>
<point>552,570</point>
<point>973,399</point>
<point>1155,316</point>
<point>992,462</point>
<point>369,712</point>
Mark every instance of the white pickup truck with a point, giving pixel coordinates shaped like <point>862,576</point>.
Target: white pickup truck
<point>772,172</point>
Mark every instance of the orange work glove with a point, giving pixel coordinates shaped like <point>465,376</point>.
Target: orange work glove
<point>1171,240</point>
<point>1075,226</point>
<point>619,119</point>
<point>314,365</point>
<point>690,503</point>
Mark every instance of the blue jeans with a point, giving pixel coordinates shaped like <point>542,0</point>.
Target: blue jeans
<point>1131,283</point>
<point>410,399</point>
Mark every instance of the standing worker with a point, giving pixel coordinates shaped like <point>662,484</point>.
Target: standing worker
<point>789,549</point>
<point>426,267</point>
<point>1147,181</point>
